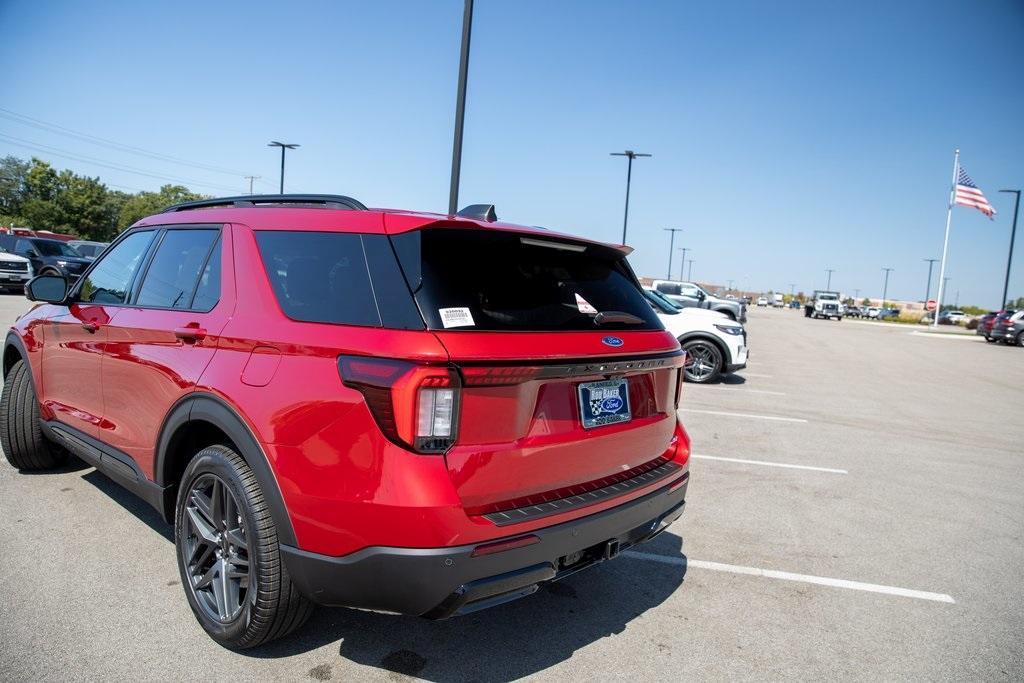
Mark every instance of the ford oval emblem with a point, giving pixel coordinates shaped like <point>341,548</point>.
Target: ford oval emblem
<point>611,341</point>
<point>611,404</point>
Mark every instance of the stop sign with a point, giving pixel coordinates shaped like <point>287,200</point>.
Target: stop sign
<point>931,304</point>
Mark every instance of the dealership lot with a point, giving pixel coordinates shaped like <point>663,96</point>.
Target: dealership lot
<point>856,507</point>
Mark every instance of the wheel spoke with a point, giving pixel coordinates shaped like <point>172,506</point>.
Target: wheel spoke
<point>201,552</point>
<point>204,531</point>
<point>218,582</point>
<point>203,504</point>
<point>217,504</point>
<point>207,578</point>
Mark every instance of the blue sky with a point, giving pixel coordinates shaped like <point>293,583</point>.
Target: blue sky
<point>787,137</point>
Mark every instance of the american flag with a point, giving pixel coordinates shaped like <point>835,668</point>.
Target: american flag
<point>968,194</point>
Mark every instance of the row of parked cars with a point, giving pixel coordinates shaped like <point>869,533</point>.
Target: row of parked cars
<point>23,257</point>
<point>1002,326</point>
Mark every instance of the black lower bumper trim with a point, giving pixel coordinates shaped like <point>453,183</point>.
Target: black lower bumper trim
<point>443,582</point>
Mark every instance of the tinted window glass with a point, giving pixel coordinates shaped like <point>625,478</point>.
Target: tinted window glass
<point>319,276</point>
<point>171,278</point>
<point>109,281</point>
<point>54,248</point>
<point>491,280</point>
<point>208,291</point>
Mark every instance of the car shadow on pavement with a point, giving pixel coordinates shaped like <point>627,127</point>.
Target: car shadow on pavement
<point>502,643</point>
<point>130,502</point>
<point>731,380</point>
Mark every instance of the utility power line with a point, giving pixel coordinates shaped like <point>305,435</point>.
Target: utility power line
<point>46,149</point>
<point>112,144</point>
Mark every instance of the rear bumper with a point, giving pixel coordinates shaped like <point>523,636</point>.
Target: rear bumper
<point>443,582</point>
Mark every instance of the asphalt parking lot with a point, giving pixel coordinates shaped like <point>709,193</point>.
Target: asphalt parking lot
<point>856,511</point>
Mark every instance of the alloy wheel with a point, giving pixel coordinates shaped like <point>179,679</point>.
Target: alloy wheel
<point>215,551</point>
<point>701,362</point>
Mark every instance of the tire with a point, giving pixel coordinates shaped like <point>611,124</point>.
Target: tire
<point>21,436</point>
<point>237,534</point>
<point>1020,339</point>
<point>703,361</point>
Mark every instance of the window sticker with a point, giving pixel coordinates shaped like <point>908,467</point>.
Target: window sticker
<point>585,306</point>
<point>456,317</point>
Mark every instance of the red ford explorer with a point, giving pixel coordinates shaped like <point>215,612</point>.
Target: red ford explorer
<point>396,411</point>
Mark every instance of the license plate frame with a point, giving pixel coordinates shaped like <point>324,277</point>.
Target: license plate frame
<point>604,403</point>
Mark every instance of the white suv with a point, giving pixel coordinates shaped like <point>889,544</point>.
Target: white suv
<point>15,271</point>
<point>715,344</point>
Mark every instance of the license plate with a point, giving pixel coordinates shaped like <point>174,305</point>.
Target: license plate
<point>604,403</point>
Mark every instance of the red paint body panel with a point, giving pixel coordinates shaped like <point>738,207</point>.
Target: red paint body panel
<point>345,485</point>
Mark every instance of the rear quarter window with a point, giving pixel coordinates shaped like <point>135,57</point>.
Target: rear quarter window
<point>339,278</point>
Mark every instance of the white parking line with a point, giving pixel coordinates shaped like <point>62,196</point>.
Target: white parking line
<point>755,417</point>
<point>738,390</point>
<point>754,374</point>
<point>771,464</point>
<point>789,576</point>
<point>944,335</point>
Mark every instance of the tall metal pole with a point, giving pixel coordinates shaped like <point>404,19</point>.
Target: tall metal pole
<point>885,288</point>
<point>828,282</point>
<point>945,241</point>
<point>284,146</point>
<point>630,155</point>
<point>251,178</point>
<point>1009,259</point>
<point>791,288</point>
<point>928,289</point>
<point>671,248</point>
<point>689,272</point>
<point>460,108</point>
<point>682,264</point>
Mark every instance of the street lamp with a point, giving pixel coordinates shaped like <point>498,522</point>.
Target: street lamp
<point>928,289</point>
<point>629,154</point>
<point>885,288</point>
<point>683,263</point>
<point>689,272</point>
<point>460,107</point>
<point>1009,259</point>
<point>671,248</point>
<point>283,146</point>
<point>828,282</point>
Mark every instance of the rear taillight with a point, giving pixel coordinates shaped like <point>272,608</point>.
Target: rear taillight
<point>415,406</point>
<point>436,414</point>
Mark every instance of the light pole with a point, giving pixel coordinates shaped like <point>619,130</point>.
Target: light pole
<point>791,288</point>
<point>671,248</point>
<point>828,282</point>
<point>856,296</point>
<point>689,272</point>
<point>629,154</point>
<point>1009,259</point>
<point>885,288</point>
<point>251,178</point>
<point>682,264</point>
<point>460,108</point>
<point>729,289</point>
<point>283,146</point>
<point>928,289</point>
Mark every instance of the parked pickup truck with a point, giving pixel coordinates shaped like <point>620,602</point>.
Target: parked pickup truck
<point>827,305</point>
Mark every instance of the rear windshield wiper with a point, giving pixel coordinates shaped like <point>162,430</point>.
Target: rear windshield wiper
<point>617,317</point>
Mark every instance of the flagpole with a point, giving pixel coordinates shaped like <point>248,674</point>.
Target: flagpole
<point>945,242</point>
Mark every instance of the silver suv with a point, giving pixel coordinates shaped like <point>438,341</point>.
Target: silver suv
<point>691,295</point>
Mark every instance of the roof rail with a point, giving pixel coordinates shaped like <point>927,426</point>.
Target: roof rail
<point>328,201</point>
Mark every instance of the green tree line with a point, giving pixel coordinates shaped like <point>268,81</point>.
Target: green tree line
<point>35,195</point>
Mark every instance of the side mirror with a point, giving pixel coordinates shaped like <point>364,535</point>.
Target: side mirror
<point>52,289</point>
<point>32,253</point>
<point>701,295</point>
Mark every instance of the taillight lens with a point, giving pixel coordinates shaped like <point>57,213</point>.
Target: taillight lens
<point>436,411</point>
<point>415,406</point>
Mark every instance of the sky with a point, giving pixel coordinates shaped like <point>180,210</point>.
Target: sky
<point>787,137</point>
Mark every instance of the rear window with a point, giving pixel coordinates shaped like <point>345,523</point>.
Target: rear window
<point>489,280</point>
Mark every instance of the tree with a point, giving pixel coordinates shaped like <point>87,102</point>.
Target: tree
<point>147,203</point>
<point>12,184</point>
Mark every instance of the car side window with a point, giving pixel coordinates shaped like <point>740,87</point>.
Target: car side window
<point>208,289</point>
<point>22,247</point>
<point>171,279</point>
<point>110,280</point>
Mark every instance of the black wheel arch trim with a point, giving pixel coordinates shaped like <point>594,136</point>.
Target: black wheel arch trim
<point>14,340</point>
<point>206,407</point>
<point>707,336</point>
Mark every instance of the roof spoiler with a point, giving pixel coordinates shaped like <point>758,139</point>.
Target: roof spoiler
<point>479,212</point>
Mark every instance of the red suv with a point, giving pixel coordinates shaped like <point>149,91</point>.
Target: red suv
<point>396,411</point>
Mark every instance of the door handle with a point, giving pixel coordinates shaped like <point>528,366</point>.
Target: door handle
<point>90,326</point>
<point>190,333</point>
